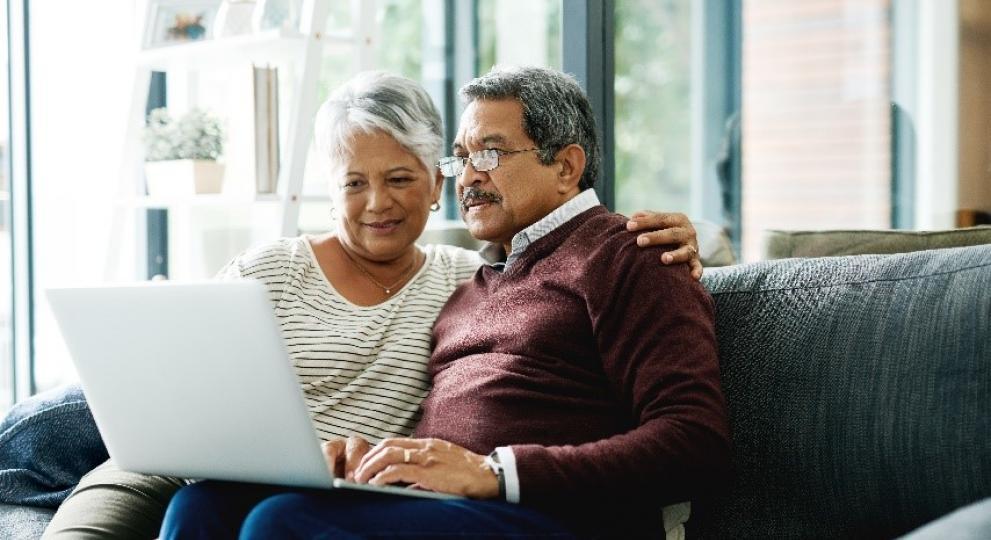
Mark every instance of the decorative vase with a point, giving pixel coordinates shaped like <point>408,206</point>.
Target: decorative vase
<point>183,177</point>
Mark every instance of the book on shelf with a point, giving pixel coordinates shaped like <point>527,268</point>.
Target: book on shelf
<point>266,100</point>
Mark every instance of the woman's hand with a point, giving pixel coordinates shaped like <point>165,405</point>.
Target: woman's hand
<point>343,455</point>
<point>430,464</point>
<point>668,229</point>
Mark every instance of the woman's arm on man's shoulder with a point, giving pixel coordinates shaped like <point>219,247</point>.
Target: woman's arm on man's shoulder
<point>668,228</point>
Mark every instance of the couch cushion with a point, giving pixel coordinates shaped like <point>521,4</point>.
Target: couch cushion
<point>22,522</point>
<point>859,392</point>
<point>47,443</point>
<point>785,244</point>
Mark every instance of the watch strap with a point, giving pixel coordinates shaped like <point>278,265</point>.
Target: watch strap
<point>492,460</point>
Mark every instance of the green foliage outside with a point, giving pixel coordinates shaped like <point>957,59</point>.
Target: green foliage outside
<point>401,45</point>
<point>399,49</point>
<point>652,107</point>
<point>488,40</point>
<point>335,65</point>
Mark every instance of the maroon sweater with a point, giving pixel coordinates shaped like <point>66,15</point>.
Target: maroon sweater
<point>596,363</point>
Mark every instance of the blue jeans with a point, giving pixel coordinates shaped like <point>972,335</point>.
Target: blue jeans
<point>215,510</point>
<point>47,443</point>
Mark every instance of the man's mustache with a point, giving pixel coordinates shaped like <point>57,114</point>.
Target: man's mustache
<point>474,194</point>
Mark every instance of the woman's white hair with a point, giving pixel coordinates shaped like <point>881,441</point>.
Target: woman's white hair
<point>375,100</point>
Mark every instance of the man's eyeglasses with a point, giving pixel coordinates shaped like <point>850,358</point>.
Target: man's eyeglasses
<point>482,161</point>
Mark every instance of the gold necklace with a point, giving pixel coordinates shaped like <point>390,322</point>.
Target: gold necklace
<point>386,288</point>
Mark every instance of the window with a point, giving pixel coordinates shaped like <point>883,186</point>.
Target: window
<point>784,121</point>
<point>398,33</point>
<point>816,124</point>
<point>77,128</point>
<point>653,105</point>
<point>6,250</point>
<point>519,32</point>
<point>400,49</point>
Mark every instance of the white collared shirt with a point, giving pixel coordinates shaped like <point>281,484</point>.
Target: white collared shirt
<point>562,214</point>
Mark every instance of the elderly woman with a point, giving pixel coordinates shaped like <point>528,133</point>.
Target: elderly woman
<point>356,306</point>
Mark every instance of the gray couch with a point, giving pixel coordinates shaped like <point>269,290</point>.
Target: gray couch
<point>23,522</point>
<point>859,392</point>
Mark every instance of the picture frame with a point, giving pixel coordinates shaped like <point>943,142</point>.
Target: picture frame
<point>173,22</point>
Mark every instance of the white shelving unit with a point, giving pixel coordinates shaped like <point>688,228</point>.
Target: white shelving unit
<point>303,50</point>
<point>216,200</point>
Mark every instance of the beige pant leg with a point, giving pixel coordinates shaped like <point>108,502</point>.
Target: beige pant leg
<point>111,503</point>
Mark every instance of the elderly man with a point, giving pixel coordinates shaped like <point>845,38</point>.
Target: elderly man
<point>575,384</point>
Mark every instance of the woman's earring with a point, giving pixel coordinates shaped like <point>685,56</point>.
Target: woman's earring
<point>435,207</point>
<point>333,213</point>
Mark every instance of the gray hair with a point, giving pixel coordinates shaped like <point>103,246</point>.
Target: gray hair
<point>556,111</point>
<point>375,100</point>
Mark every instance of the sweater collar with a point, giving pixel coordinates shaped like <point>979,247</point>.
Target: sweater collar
<point>522,240</point>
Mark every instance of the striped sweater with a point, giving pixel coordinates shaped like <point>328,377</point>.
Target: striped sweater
<point>362,369</point>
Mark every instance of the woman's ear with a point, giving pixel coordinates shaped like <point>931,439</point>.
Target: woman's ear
<point>571,160</point>
<point>438,185</point>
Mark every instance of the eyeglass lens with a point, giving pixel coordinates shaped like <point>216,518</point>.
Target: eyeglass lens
<point>483,160</point>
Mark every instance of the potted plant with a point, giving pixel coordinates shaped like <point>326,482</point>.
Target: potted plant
<point>181,154</point>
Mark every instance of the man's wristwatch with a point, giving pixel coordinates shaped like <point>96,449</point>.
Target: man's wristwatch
<point>492,460</point>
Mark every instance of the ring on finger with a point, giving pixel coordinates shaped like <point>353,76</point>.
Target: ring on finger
<point>406,454</point>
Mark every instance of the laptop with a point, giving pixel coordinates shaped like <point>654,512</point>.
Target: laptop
<point>194,380</point>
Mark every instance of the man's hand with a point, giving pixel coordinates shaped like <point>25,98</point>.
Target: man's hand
<point>430,464</point>
<point>343,455</point>
<point>668,229</point>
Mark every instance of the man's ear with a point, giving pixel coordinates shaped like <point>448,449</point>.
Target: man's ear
<point>571,160</point>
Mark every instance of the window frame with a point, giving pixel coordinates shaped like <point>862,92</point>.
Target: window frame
<point>587,27</point>
<point>21,203</point>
